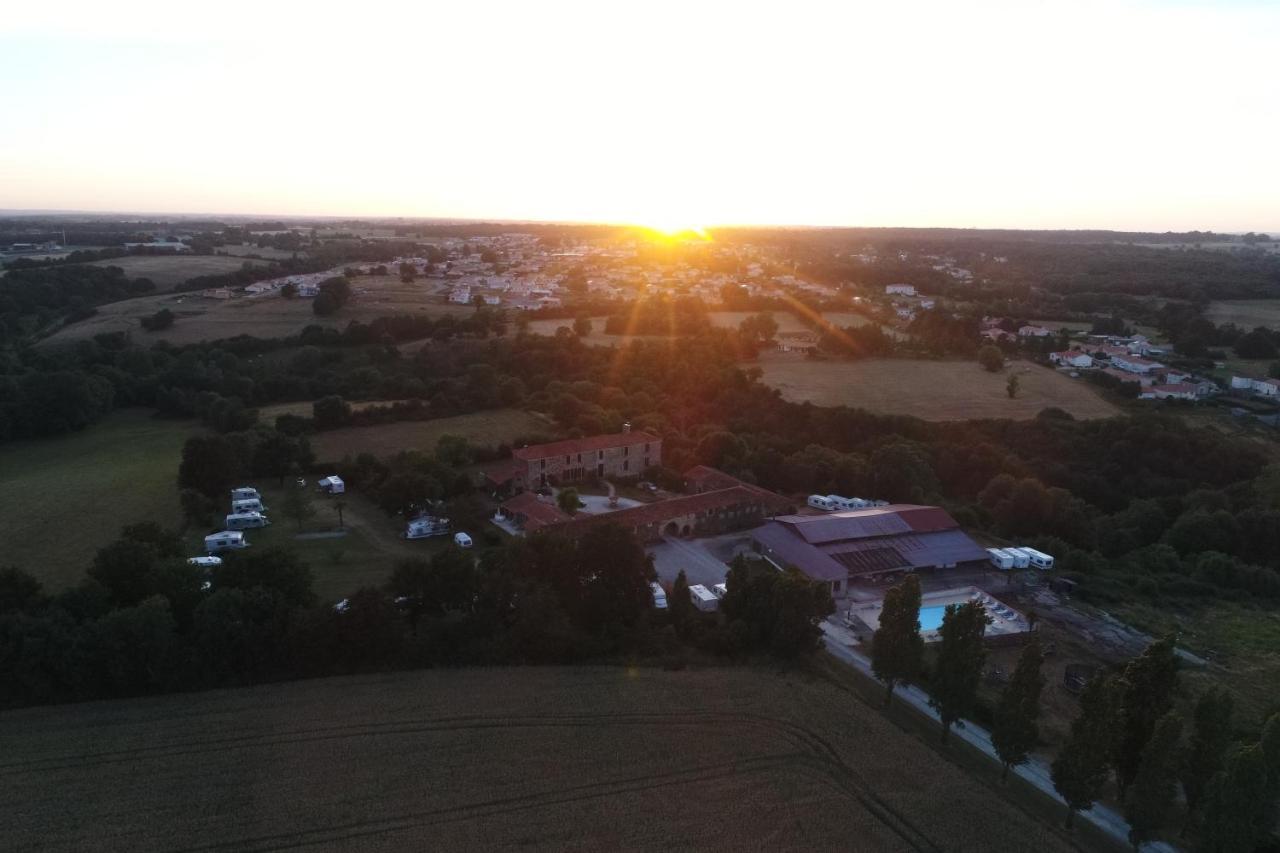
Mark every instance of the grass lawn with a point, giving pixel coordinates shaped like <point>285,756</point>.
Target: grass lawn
<point>932,390</point>
<point>538,758</point>
<point>363,556</point>
<point>62,499</point>
<point>169,271</point>
<point>268,414</point>
<point>480,428</point>
<point>1241,642</point>
<point>1246,313</point>
<point>203,319</point>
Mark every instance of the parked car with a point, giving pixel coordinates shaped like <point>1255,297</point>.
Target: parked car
<point>205,562</point>
<point>462,540</point>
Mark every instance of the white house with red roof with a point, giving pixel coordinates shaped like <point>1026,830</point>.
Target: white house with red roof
<point>1072,358</point>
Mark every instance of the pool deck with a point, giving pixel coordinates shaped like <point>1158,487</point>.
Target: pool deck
<point>1004,619</point>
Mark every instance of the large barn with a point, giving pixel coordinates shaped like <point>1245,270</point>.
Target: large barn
<point>836,547</point>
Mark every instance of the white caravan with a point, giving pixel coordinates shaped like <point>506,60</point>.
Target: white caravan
<point>822,502</point>
<point>245,493</point>
<point>248,505</point>
<point>226,540</point>
<point>246,520</point>
<point>703,598</point>
<point>1000,558</point>
<point>1039,559</point>
<point>422,528</point>
<point>659,596</point>
<point>1021,559</point>
<point>332,485</point>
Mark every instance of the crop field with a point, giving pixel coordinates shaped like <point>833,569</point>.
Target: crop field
<point>169,271</point>
<point>1246,313</point>
<point>482,428</point>
<point>203,319</point>
<point>931,390</point>
<point>62,499</point>
<point>244,250</point>
<point>787,322</point>
<point>589,758</point>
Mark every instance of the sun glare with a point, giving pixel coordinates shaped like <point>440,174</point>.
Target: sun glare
<point>673,229</point>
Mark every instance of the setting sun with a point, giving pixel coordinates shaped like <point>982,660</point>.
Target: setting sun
<point>672,228</point>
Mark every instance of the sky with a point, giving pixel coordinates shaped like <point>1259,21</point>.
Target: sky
<point>1157,115</point>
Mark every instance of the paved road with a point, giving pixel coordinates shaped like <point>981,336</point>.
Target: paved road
<point>1035,771</point>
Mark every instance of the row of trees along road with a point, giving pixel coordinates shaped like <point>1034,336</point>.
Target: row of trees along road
<point>1127,730</point>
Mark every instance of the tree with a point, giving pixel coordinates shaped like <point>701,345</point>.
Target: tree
<point>270,568</point>
<point>158,321</point>
<point>991,359</point>
<point>1080,770</point>
<point>289,290</point>
<point>679,604</point>
<point>1011,386</point>
<point>210,464</point>
<point>759,328</point>
<point>1149,799</point>
<point>1016,731</point>
<point>1237,810</point>
<point>897,648</point>
<point>953,690</point>
<point>568,501</point>
<point>338,506</point>
<point>1207,747</point>
<point>297,503</point>
<point>330,412</point>
<point>18,590</point>
<point>582,325</point>
<point>1146,688</point>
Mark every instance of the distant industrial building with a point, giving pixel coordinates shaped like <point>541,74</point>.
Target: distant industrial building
<point>834,548</point>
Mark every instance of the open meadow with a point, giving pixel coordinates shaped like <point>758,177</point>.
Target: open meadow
<point>200,318</point>
<point>931,390</point>
<point>1246,313</point>
<point>588,758</point>
<point>490,427</point>
<point>168,271</point>
<point>63,498</point>
<point>787,322</point>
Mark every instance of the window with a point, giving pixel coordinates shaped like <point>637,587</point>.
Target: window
<point>626,466</point>
<point>579,458</point>
<point>601,456</point>
<point>566,460</point>
<point>626,451</point>
<point>646,448</point>
<point>543,463</point>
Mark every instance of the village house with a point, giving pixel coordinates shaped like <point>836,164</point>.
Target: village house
<point>622,456</point>
<point>1072,358</point>
<point>1034,332</point>
<point>899,290</point>
<point>1176,391</point>
<point>1261,387</point>
<point>1134,364</point>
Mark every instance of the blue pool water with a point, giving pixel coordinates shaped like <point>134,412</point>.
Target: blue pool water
<point>931,617</point>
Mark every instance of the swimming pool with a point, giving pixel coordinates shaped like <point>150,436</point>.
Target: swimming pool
<point>931,617</point>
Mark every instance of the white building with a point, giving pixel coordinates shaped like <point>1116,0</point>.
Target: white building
<point>1133,364</point>
<point>1072,358</point>
<point>899,290</point>
<point>1034,332</point>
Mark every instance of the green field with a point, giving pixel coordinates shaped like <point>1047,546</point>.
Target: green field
<point>200,318</point>
<point>537,758</point>
<point>480,428</point>
<point>1246,313</point>
<point>932,390</point>
<point>169,271</point>
<point>62,499</point>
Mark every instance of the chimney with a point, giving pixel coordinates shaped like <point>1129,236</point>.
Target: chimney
<point>626,427</point>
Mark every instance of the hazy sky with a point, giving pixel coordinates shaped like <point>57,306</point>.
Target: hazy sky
<point>1136,115</point>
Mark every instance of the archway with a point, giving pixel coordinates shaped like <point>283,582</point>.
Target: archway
<point>671,529</point>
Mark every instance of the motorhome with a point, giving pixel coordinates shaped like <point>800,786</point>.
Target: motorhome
<point>425,527</point>
<point>659,596</point>
<point>245,493</point>
<point>248,505</point>
<point>822,502</point>
<point>703,598</point>
<point>332,485</point>
<point>1021,559</point>
<point>1039,559</point>
<point>226,540</point>
<point>1001,559</point>
<point>246,520</point>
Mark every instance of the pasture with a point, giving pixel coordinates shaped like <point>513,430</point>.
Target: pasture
<point>63,498</point>
<point>490,427</point>
<point>585,758</point>
<point>168,271</point>
<point>930,390</point>
<point>787,322</point>
<point>200,318</point>
<point>1246,313</point>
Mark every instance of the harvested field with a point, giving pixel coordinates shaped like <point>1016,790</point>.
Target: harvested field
<point>1246,313</point>
<point>931,390</point>
<point>91,484</point>
<point>566,758</point>
<point>482,428</point>
<point>167,271</point>
<point>200,318</point>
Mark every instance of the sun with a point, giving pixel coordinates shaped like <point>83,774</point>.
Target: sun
<point>672,228</point>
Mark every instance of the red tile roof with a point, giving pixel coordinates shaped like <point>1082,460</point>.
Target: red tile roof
<point>537,513</point>
<point>661,511</point>
<point>590,444</point>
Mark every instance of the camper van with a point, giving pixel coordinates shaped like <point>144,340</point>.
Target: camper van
<point>422,528</point>
<point>1021,559</point>
<point>703,598</point>
<point>822,502</point>
<point>248,505</point>
<point>1039,559</point>
<point>1001,559</point>
<point>332,485</point>
<point>227,540</point>
<point>721,590</point>
<point>245,493</point>
<point>659,596</point>
<point>246,520</point>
